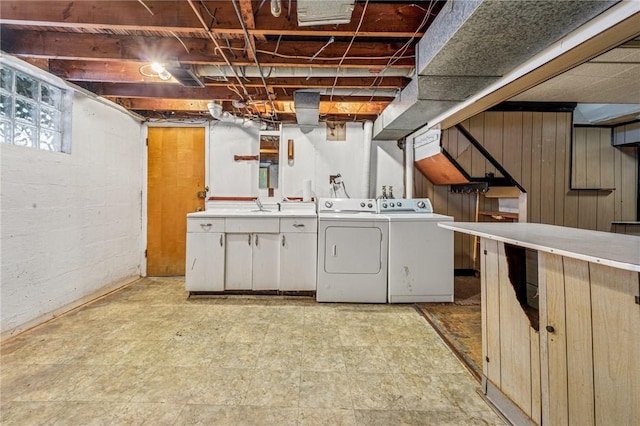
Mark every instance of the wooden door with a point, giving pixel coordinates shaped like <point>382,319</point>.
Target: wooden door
<point>175,176</point>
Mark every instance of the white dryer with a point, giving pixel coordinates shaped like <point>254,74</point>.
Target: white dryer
<point>420,255</point>
<point>352,251</point>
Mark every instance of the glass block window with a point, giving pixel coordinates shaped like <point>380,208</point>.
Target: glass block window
<point>33,112</point>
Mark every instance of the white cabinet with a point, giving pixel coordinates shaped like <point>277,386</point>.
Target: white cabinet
<point>251,262</point>
<point>298,254</point>
<point>251,253</point>
<point>204,265</point>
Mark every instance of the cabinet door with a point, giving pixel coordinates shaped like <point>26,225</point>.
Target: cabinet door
<point>204,268</point>
<point>238,262</point>
<point>265,261</point>
<point>298,261</point>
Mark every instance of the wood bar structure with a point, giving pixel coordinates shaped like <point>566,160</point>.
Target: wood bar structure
<point>571,357</point>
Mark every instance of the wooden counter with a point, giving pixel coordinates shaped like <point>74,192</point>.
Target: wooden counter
<point>576,359</point>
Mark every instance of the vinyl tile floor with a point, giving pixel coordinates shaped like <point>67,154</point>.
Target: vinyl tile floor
<point>147,354</point>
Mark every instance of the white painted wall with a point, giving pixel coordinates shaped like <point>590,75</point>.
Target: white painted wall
<point>70,223</point>
<point>387,168</point>
<point>315,159</point>
<point>229,178</point>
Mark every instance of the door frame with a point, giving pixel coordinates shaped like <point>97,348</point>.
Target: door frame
<point>144,134</point>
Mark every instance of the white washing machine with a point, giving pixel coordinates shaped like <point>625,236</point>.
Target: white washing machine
<point>420,260</point>
<point>352,251</point>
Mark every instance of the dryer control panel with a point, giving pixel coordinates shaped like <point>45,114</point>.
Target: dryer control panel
<point>348,205</point>
<point>405,205</point>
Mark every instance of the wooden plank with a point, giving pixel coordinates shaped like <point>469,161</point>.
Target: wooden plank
<point>484,280</point>
<point>592,158</point>
<point>628,183</point>
<point>563,127</point>
<point>515,345</point>
<point>536,391</point>
<point>607,162</point>
<point>534,199</point>
<point>579,342</point>
<point>579,158</point>
<point>553,357</point>
<point>492,355</point>
<point>616,344</point>
<point>604,209</point>
<point>549,168</point>
<point>512,144</point>
<point>440,171</point>
<point>587,210</point>
<point>493,143</point>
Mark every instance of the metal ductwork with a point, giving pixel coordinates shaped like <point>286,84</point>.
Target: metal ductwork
<point>216,71</point>
<point>185,75</point>
<point>326,12</point>
<point>470,45</point>
<point>307,105</point>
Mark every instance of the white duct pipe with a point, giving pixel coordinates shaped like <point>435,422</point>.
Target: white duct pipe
<point>409,158</point>
<point>366,167</point>
<point>225,71</point>
<point>388,93</point>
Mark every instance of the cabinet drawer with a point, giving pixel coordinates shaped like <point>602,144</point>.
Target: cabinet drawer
<point>248,225</point>
<point>298,224</point>
<point>205,224</point>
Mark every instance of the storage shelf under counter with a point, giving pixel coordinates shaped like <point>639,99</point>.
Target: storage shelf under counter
<point>573,359</point>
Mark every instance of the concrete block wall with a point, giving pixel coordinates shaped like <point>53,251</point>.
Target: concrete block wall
<point>70,224</point>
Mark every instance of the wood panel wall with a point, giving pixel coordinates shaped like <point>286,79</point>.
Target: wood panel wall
<point>535,148</point>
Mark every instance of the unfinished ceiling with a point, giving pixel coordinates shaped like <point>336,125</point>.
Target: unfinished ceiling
<point>249,55</point>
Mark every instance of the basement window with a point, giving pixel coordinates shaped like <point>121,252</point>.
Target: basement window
<point>33,113</point>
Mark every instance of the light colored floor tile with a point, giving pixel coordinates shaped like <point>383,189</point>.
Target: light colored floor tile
<point>365,359</point>
<point>274,388</point>
<point>280,356</point>
<point>213,415</point>
<point>375,391</point>
<point>236,355</point>
<point>326,417</point>
<point>222,386</point>
<point>325,390</point>
<point>169,384</point>
<point>147,354</point>
<point>317,356</point>
<point>147,413</point>
<point>422,393</point>
<point>357,335</point>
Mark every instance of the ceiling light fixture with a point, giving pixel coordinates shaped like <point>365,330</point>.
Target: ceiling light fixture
<point>156,70</point>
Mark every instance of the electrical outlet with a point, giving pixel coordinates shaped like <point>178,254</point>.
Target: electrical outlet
<point>332,179</point>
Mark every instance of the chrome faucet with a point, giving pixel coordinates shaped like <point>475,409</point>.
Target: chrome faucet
<point>259,204</point>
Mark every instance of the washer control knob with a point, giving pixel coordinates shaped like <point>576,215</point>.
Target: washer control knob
<point>328,204</point>
<point>384,205</point>
<point>369,205</point>
<point>421,204</point>
<point>361,204</point>
<point>392,205</point>
<point>399,204</point>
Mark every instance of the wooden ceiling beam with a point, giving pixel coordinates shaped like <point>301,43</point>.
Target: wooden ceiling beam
<point>129,72</point>
<point>62,45</point>
<point>176,91</point>
<point>282,107</point>
<point>381,19</point>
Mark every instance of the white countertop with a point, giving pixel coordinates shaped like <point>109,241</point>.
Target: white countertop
<point>252,214</point>
<point>607,248</point>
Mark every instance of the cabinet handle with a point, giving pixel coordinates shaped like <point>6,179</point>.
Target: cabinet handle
<point>335,250</point>
<point>256,240</point>
<point>298,225</point>
<point>283,241</point>
<point>206,226</point>
<point>249,239</point>
<point>221,240</point>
